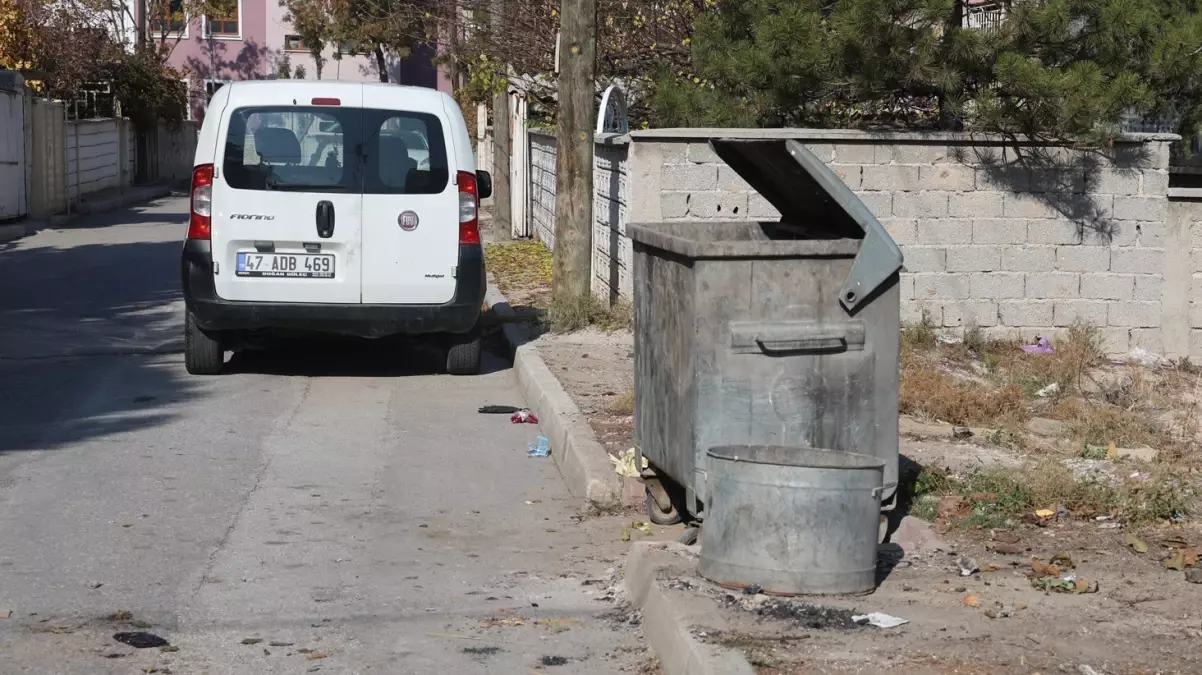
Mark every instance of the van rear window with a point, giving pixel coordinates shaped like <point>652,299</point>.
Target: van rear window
<point>325,149</point>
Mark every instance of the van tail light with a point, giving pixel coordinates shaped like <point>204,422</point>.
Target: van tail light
<point>469,209</point>
<point>200,225</point>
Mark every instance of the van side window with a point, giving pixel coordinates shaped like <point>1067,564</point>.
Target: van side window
<point>291,149</point>
<point>404,153</point>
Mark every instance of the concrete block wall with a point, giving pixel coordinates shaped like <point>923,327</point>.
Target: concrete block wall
<point>542,186</point>
<point>1017,247</point>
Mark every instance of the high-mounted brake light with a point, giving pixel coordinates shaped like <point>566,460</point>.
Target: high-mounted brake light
<point>469,208</point>
<point>327,101</point>
<point>200,225</point>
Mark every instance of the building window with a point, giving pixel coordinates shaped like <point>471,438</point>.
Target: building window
<point>294,43</point>
<point>168,18</point>
<point>211,87</point>
<point>228,26</point>
<point>983,14</point>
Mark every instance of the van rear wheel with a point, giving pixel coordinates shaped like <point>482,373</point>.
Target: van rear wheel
<point>463,352</point>
<point>202,354</point>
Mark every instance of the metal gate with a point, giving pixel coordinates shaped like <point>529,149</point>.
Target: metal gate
<point>13,189</point>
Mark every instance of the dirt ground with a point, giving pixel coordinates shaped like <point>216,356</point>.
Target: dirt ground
<point>1143,618</point>
<point>597,370</point>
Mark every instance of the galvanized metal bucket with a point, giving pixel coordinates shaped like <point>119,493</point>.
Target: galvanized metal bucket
<point>792,521</point>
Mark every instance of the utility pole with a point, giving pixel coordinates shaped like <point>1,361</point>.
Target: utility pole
<point>501,142</point>
<point>573,258</point>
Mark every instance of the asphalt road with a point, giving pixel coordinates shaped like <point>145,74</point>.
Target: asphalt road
<point>329,507</point>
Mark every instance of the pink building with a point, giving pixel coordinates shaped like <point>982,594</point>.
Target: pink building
<point>253,43</point>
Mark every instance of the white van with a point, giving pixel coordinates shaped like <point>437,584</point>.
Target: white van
<point>333,207</point>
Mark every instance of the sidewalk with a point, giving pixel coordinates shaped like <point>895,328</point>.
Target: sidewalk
<point>97,202</point>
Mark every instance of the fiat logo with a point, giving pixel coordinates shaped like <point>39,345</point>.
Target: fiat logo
<point>408,221</point>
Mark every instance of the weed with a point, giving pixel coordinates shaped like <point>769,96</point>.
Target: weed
<point>974,339</point>
<point>919,336</point>
<point>1100,424</point>
<point>569,314</point>
<point>623,404</point>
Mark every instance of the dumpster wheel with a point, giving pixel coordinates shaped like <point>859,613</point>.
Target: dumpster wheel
<point>656,497</point>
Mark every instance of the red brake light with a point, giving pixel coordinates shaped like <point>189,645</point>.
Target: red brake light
<point>327,101</point>
<point>469,208</point>
<point>200,225</point>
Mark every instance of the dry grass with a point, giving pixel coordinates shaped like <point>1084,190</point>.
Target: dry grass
<point>569,314</point>
<point>623,404</point>
<point>937,395</point>
<point>522,267</point>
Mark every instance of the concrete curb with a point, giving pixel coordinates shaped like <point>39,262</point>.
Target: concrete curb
<point>86,207</point>
<point>580,458</point>
<point>667,620</point>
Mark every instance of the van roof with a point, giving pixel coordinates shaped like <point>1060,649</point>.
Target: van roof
<point>417,95</point>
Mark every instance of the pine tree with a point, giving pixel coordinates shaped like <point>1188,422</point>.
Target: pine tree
<point>1053,69</point>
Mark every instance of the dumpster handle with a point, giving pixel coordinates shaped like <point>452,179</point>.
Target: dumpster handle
<point>878,491</point>
<point>806,344</point>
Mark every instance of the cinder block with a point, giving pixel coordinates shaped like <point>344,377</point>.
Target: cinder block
<point>1156,183</point>
<point>1029,258</point>
<point>851,174</point>
<point>905,286</point>
<point>1107,286</point>
<point>670,153</point>
<point>702,153</point>
<point>1068,312</point>
<point>903,230</point>
<point>1004,178</point>
<point>1195,345</point>
<point>946,177</point>
<point>1137,260</point>
<point>920,153</point>
<point>1061,232</point>
<point>1195,314</point>
<point>1141,208</point>
<point>1195,258</point>
<point>920,204</point>
<point>731,181</point>
<point>1153,235</point>
<point>1149,287</point>
<point>1025,312</point>
<point>1027,205</point>
<point>760,208</point>
<point>1082,258</point>
<point>689,177</point>
<point>1053,285</point>
<point>975,204</point>
<point>941,287</point>
<point>854,153</point>
<point>970,313</point>
<point>1113,182</point>
<point>890,178</point>
<point>882,153</point>
<point>999,231</point>
<point>997,285</point>
<point>974,258</point>
<point>1116,341</point>
<point>944,231</point>
<point>825,152</point>
<point>917,311</point>
<point>1057,181</point>
<point>1134,314</point>
<point>1118,233</point>
<point>724,205</point>
<point>879,203</point>
<point>1148,339</point>
<point>925,258</point>
<point>674,204</point>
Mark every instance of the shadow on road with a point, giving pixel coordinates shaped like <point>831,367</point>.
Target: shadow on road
<point>390,357</point>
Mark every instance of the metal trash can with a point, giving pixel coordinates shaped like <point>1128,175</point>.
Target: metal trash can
<point>792,521</point>
<point>765,334</point>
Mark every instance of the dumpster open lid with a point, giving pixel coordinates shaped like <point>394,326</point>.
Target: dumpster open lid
<point>811,197</point>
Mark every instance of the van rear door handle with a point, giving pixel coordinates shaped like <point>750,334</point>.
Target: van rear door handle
<point>325,219</point>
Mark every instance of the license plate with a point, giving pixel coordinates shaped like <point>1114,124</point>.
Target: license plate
<point>288,265</point>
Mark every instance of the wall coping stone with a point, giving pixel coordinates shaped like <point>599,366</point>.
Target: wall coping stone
<point>967,138</point>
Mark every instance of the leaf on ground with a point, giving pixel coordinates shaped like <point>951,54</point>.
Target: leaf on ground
<point>1040,569</point>
<point>1176,561</point>
<point>251,641</point>
<point>314,656</point>
<point>1064,560</point>
<point>971,600</point>
<point>1137,544</point>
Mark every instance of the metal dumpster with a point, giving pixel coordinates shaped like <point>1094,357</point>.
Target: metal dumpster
<point>778,334</point>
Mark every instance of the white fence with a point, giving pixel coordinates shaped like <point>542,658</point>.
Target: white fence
<point>13,187</point>
<point>100,155</point>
